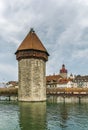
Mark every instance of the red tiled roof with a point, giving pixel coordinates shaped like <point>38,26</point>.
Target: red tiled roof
<point>53,77</point>
<point>59,79</point>
<point>32,42</point>
<point>63,81</point>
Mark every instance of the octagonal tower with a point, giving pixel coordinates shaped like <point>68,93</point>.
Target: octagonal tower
<point>32,57</point>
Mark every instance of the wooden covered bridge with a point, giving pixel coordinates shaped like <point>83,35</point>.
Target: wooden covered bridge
<point>50,91</point>
<point>68,91</point>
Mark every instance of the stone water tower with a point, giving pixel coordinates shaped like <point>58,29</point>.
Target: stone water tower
<point>32,57</point>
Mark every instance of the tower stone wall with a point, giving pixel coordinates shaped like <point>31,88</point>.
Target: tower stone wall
<point>32,81</point>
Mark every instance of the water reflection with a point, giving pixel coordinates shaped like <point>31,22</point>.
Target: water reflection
<point>57,116</point>
<point>32,116</point>
<point>63,116</point>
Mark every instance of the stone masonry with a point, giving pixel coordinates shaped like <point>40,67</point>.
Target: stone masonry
<point>32,81</point>
<point>32,57</point>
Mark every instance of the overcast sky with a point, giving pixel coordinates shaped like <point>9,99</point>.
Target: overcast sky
<point>62,26</point>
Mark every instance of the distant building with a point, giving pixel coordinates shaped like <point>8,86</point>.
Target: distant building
<point>52,80</point>
<point>68,83</point>
<point>63,80</point>
<point>63,71</point>
<point>60,80</point>
<point>12,84</point>
<point>81,81</point>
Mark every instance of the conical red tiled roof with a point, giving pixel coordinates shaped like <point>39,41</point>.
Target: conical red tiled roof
<point>32,42</point>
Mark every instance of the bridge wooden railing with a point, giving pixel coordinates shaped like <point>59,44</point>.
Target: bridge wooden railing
<point>67,91</point>
<point>8,91</point>
<point>14,91</point>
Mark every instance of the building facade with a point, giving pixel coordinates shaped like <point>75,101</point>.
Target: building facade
<point>65,81</point>
<point>81,81</point>
<point>61,80</point>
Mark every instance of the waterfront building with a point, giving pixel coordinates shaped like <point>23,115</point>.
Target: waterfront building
<point>32,57</point>
<point>52,80</point>
<point>60,80</point>
<point>12,84</point>
<point>65,81</point>
<point>81,81</point>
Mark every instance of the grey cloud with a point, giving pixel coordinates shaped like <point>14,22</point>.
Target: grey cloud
<point>61,25</point>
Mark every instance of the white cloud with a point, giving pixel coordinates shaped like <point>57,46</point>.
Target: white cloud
<point>61,25</point>
<point>2,7</point>
<point>8,72</point>
<point>81,54</point>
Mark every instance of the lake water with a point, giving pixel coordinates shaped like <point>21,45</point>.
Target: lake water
<point>43,116</point>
